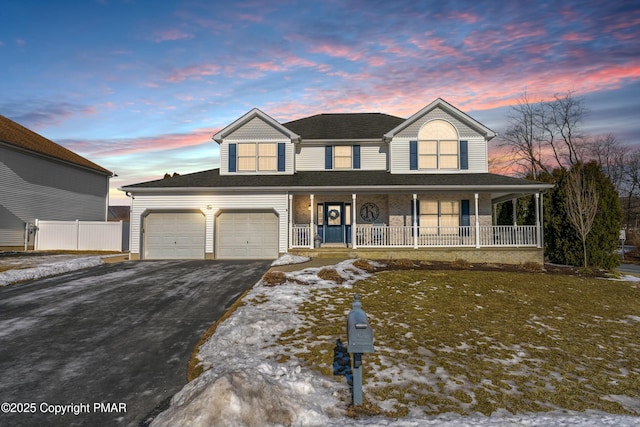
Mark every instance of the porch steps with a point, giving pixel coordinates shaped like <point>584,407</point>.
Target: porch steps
<point>337,252</point>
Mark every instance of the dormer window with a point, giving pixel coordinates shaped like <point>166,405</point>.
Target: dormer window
<point>438,147</point>
<point>257,157</point>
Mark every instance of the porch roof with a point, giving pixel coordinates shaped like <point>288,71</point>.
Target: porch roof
<point>304,182</point>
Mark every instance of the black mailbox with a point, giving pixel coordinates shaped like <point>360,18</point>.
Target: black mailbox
<point>359,333</point>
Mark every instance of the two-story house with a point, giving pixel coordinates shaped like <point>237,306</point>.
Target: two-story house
<point>369,184</point>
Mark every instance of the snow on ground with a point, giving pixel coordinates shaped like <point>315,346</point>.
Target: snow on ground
<point>245,386</point>
<point>47,266</point>
<point>627,278</point>
<point>290,259</point>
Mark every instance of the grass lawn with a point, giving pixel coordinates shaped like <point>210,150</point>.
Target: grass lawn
<point>476,341</point>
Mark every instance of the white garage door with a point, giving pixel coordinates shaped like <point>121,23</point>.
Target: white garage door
<point>247,235</point>
<point>174,235</point>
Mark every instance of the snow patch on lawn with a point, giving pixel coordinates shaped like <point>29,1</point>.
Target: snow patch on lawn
<point>48,269</point>
<point>290,259</point>
<point>245,386</point>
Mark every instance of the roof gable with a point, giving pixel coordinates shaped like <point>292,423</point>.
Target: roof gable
<point>344,126</point>
<point>252,116</point>
<point>449,109</point>
<point>16,135</point>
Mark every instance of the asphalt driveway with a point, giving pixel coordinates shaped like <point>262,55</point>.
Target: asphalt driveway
<point>109,343</point>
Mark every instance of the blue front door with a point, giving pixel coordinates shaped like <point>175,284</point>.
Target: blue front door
<point>334,223</point>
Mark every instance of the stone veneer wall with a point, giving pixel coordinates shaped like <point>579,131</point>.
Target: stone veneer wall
<point>514,256</point>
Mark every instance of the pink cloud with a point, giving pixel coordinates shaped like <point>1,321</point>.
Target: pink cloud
<point>538,49</point>
<point>337,51</point>
<point>577,37</point>
<point>437,45</point>
<point>194,72</point>
<point>170,35</point>
<point>250,17</point>
<point>466,17</point>
<point>129,146</point>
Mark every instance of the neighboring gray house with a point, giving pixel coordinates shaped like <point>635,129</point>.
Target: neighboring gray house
<point>367,184</point>
<point>40,179</point>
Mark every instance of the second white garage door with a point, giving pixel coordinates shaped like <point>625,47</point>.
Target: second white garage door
<point>174,235</point>
<point>247,235</point>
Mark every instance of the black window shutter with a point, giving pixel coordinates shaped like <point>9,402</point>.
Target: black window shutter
<point>464,210</point>
<point>232,157</point>
<point>356,157</point>
<point>413,155</point>
<point>328,157</point>
<point>281,157</point>
<point>464,155</point>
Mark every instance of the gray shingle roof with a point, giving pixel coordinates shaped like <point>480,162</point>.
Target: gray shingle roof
<point>339,180</point>
<point>19,136</point>
<point>344,126</point>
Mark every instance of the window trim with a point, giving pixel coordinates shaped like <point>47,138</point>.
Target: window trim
<point>438,216</point>
<point>277,159</point>
<point>438,154</point>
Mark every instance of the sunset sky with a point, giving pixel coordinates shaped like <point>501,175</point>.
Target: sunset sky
<point>139,86</point>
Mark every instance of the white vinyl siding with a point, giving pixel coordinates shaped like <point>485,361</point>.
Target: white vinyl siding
<point>33,187</point>
<point>464,131</point>
<point>256,129</point>
<point>209,205</point>
<point>372,157</point>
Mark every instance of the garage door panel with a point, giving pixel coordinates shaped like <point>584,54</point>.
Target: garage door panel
<point>174,235</point>
<point>247,235</point>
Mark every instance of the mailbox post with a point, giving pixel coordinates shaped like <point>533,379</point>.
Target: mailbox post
<point>359,341</point>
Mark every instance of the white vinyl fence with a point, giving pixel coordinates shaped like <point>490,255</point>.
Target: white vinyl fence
<point>79,235</point>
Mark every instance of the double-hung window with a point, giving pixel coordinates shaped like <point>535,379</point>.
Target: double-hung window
<point>438,147</point>
<point>438,154</point>
<point>439,216</point>
<point>257,157</point>
<point>342,157</point>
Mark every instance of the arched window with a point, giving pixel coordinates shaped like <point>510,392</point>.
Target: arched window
<point>438,146</point>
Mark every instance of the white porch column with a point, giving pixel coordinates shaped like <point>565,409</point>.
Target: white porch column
<point>538,230</point>
<point>353,221</point>
<point>290,219</point>
<point>415,221</point>
<point>312,235</point>
<point>495,214</point>
<point>477,222</point>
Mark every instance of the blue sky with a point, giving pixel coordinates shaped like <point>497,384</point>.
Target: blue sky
<point>139,86</point>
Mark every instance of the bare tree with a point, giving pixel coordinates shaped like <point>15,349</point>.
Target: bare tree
<point>631,183</point>
<point>610,155</point>
<point>581,204</point>
<point>523,136</point>
<point>566,113</point>
<point>546,135</point>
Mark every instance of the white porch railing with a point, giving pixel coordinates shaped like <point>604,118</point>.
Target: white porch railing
<point>300,236</point>
<point>403,236</point>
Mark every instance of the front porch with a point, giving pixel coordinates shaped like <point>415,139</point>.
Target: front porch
<point>384,236</point>
<point>409,221</point>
